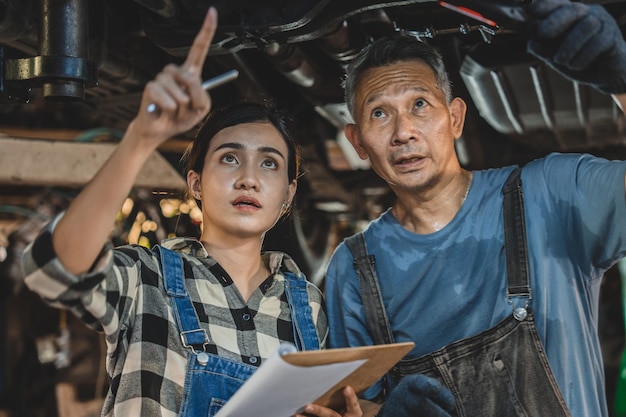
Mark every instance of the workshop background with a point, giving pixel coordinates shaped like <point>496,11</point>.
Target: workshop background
<point>71,77</point>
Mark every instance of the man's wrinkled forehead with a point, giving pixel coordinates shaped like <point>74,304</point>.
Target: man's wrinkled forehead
<point>397,78</point>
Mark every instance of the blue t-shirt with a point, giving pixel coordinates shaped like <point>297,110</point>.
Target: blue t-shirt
<point>445,286</point>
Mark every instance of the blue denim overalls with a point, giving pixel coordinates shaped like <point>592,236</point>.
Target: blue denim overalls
<point>501,372</point>
<point>211,380</point>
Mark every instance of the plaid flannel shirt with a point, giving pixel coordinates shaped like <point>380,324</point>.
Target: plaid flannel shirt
<point>123,296</point>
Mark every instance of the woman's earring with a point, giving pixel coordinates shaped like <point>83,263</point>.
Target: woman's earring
<point>197,196</point>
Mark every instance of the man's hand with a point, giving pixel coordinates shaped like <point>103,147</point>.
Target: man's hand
<point>581,41</point>
<point>418,396</point>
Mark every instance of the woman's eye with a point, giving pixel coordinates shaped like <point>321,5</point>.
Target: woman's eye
<point>269,163</point>
<point>229,159</point>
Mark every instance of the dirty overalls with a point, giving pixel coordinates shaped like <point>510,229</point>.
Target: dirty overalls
<point>211,380</point>
<point>501,372</point>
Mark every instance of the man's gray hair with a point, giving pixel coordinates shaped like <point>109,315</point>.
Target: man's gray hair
<point>391,49</point>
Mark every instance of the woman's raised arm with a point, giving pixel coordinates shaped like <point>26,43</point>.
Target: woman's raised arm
<point>177,91</point>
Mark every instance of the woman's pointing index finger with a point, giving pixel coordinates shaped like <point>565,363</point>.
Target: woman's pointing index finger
<point>200,47</point>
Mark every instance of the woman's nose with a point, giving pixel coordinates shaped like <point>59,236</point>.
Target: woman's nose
<point>247,179</point>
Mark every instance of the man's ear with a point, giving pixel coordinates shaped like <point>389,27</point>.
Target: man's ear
<point>352,133</point>
<point>458,108</point>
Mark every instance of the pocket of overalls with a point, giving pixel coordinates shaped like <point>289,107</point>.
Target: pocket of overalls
<point>215,406</point>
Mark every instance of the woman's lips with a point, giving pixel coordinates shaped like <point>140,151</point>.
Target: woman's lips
<point>246,202</point>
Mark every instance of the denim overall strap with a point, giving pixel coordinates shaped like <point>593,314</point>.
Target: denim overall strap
<point>304,330</point>
<point>515,243</point>
<point>371,298</point>
<point>191,334</point>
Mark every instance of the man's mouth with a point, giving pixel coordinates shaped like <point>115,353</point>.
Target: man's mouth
<point>404,161</point>
<point>407,160</point>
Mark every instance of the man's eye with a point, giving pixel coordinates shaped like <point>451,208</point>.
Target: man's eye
<point>420,103</point>
<point>377,114</point>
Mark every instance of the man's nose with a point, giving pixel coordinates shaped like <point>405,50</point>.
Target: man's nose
<point>405,129</point>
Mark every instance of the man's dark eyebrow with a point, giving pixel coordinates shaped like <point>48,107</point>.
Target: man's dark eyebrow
<point>238,146</point>
<point>378,95</point>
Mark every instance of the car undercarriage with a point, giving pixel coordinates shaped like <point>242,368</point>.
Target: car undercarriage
<point>76,70</point>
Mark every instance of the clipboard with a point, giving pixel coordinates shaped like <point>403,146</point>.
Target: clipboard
<point>379,359</point>
<point>289,379</point>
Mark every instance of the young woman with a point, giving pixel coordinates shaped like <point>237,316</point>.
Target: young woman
<point>189,321</point>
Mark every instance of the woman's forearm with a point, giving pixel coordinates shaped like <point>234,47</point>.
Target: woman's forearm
<point>85,227</point>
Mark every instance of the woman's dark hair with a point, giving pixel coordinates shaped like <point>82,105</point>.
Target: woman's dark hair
<point>234,115</point>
